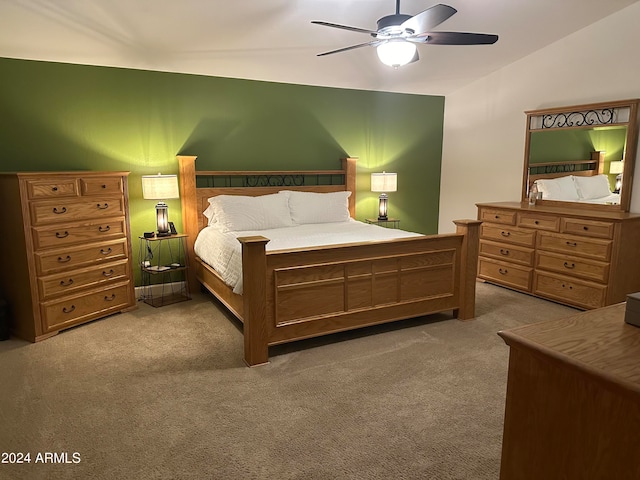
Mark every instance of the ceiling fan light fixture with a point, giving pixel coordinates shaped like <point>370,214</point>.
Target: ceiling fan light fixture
<point>396,53</point>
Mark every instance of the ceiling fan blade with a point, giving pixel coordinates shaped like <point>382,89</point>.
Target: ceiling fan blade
<point>346,27</point>
<point>372,44</point>
<point>430,18</point>
<point>455,38</point>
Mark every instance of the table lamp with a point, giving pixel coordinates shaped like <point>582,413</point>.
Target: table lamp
<point>160,187</point>
<point>616,168</point>
<point>383,182</point>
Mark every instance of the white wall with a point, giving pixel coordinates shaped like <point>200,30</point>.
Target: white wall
<point>484,123</point>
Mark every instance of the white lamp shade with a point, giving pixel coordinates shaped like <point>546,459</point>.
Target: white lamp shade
<point>396,53</point>
<point>160,187</point>
<point>384,182</point>
<point>616,167</point>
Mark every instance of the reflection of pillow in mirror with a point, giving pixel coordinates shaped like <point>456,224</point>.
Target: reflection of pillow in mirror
<point>562,188</point>
<point>592,187</point>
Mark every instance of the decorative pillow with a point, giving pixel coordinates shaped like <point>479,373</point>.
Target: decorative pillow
<point>238,213</point>
<point>592,187</point>
<point>311,207</point>
<point>562,188</point>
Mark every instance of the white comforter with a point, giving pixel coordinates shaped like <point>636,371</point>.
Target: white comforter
<point>222,251</point>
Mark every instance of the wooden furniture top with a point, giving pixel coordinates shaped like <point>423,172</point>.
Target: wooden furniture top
<point>562,210</point>
<point>597,342</point>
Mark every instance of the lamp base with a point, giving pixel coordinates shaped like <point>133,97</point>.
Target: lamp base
<point>385,218</point>
<point>163,234</point>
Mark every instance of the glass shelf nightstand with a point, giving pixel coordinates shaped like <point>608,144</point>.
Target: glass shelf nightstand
<point>389,222</point>
<point>163,264</point>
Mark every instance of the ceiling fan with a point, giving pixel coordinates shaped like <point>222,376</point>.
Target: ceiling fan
<point>397,35</point>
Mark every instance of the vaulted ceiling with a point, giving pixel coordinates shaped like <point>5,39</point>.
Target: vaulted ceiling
<point>274,40</point>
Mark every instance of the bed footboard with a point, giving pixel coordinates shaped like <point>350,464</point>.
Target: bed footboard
<point>295,294</point>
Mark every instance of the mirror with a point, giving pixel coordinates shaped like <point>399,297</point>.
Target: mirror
<point>581,155</point>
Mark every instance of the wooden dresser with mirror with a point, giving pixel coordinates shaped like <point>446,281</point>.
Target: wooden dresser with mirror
<point>578,244</point>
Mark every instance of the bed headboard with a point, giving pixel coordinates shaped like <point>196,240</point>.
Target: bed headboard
<point>594,166</point>
<point>198,186</point>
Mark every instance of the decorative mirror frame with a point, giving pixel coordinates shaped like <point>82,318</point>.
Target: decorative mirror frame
<point>621,113</point>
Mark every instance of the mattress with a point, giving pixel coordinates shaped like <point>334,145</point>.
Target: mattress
<point>222,250</point>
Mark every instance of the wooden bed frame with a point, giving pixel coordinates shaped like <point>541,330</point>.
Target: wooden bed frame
<point>301,293</point>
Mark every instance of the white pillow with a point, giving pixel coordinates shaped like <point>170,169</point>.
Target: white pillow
<point>210,213</point>
<point>311,207</point>
<point>238,213</point>
<point>562,188</point>
<point>592,187</point>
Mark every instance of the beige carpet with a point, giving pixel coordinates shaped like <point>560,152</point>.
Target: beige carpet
<point>164,394</point>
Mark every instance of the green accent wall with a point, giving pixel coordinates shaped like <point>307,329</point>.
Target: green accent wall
<point>58,117</point>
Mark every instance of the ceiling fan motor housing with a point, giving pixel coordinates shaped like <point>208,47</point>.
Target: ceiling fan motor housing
<point>391,24</point>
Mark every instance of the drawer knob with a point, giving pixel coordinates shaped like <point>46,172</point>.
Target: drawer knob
<point>55,189</point>
<point>105,252</point>
<point>111,298</point>
<point>572,244</point>
<point>505,234</point>
<point>569,286</point>
<point>102,229</point>
<point>103,206</point>
<point>503,271</point>
<point>66,284</point>
<point>64,260</point>
<point>109,273</point>
<point>569,265</point>
<point>497,217</point>
<point>536,222</point>
<point>69,310</point>
<point>585,228</point>
<point>59,212</point>
<point>62,235</point>
<point>103,186</point>
<point>504,252</point>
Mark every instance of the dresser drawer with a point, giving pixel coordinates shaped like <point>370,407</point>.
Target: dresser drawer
<point>573,266</point>
<point>66,283</point>
<point>539,221</point>
<point>588,228</point>
<point>510,253</point>
<point>572,245</point>
<point>505,217</point>
<point>575,292</point>
<point>76,209</point>
<point>74,257</point>
<point>101,186</point>
<point>52,187</point>
<point>504,273</point>
<point>57,236</point>
<point>515,235</point>
<point>57,314</point>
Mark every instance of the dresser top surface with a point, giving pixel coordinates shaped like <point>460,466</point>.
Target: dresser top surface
<point>598,341</point>
<point>570,211</point>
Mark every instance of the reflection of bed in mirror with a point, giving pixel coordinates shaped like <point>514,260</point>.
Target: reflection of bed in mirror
<point>580,181</point>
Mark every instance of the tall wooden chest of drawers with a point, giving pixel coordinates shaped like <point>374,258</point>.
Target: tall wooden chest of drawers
<point>580,257</point>
<point>66,249</point>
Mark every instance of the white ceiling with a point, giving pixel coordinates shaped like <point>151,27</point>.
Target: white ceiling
<point>273,40</point>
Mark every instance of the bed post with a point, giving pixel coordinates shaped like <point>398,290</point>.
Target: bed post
<point>468,267</point>
<point>254,300</point>
<point>349,167</point>
<point>187,178</point>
